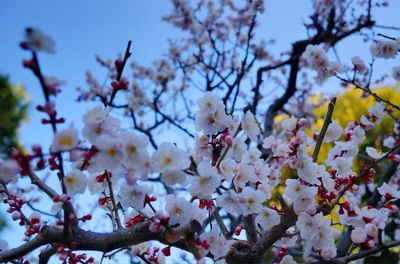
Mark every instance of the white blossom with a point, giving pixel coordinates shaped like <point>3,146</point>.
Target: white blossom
<point>267,218</point>
<point>289,124</point>
<point>250,126</point>
<point>8,170</point>
<point>66,139</point>
<point>389,142</point>
<point>211,117</point>
<point>110,152</point>
<point>251,200</point>
<point>377,110</point>
<point>358,235</point>
<point>134,195</point>
<point>238,148</point>
<point>135,147</point>
<point>374,153</point>
<point>389,191</point>
<point>174,177</point>
<point>333,133</point>
<point>75,181</point>
<point>204,185</point>
<point>178,209</point>
<point>229,201</point>
<point>168,158</point>
<point>98,122</point>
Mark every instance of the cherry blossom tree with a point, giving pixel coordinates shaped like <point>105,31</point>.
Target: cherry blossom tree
<point>233,183</point>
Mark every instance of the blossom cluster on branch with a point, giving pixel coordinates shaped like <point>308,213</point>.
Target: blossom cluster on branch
<point>240,184</point>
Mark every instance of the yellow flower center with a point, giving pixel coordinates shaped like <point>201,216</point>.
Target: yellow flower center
<point>202,181</point>
<point>70,180</point>
<point>112,152</point>
<point>132,149</point>
<point>167,161</point>
<point>65,141</point>
<point>250,200</point>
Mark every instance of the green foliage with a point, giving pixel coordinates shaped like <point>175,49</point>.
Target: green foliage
<point>13,109</point>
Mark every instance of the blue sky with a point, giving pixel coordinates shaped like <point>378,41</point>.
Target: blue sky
<point>83,29</point>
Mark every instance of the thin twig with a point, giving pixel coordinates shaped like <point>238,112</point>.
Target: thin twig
<point>324,129</point>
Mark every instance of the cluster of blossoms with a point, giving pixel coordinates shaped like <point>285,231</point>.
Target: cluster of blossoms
<point>232,174</point>
<point>236,179</point>
<point>318,60</point>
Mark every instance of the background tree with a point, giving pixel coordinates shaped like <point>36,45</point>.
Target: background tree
<point>12,112</point>
<point>13,109</point>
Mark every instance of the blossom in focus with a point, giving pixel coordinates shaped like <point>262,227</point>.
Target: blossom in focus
<point>267,218</point>
<point>204,185</point>
<point>98,122</point>
<point>110,153</point>
<point>178,210</point>
<point>66,139</point>
<point>75,181</point>
<point>135,147</point>
<point>134,195</point>
<point>374,153</point>
<point>251,200</point>
<point>168,158</point>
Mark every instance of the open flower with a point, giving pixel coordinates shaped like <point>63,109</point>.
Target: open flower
<point>333,133</point>
<point>110,152</point>
<point>267,218</point>
<point>250,126</point>
<point>169,158</point>
<point>204,185</point>
<point>134,195</point>
<point>66,139</point>
<point>389,192</point>
<point>75,181</point>
<point>374,153</point>
<point>178,209</point>
<point>251,200</point>
<point>135,146</point>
